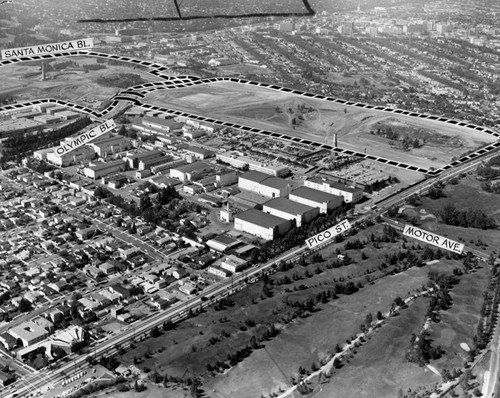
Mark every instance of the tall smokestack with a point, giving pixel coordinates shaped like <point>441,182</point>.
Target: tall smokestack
<point>335,140</point>
<point>44,76</point>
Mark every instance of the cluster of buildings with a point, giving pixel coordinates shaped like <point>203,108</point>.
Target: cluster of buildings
<point>36,118</point>
<point>276,206</point>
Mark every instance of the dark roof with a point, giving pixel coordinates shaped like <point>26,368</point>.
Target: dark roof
<point>8,338</point>
<point>275,182</point>
<point>260,218</point>
<point>225,240</point>
<point>192,167</point>
<point>201,151</point>
<point>315,195</point>
<point>288,206</point>
<point>255,176</point>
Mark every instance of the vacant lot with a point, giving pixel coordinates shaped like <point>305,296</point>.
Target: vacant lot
<point>263,108</point>
<point>70,85</point>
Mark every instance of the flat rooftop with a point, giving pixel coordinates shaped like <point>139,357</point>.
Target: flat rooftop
<point>288,206</point>
<point>314,194</point>
<point>260,218</point>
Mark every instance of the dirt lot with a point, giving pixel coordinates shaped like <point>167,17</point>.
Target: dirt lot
<point>77,87</point>
<point>258,106</point>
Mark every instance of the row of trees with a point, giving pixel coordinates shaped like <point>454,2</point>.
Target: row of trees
<point>470,218</point>
<point>20,144</point>
<point>380,184</point>
<point>120,80</point>
<point>299,234</point>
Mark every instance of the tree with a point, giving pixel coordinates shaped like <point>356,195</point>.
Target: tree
<point>155,332</point>
<point>399,301</point>
<point>379,316</point>
<point>24,305</point>
<point>155,377</point>
<point>139,387</point>
<point>145,202</point>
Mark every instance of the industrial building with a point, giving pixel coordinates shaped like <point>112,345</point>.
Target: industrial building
<point>233,264</point>
<point>148,163</point>
<point>214,270</point>
<point>168,165</point>
<point>188,171</point>
<point>263,184</point>
<point>238,160</point>
<point>199,153</point>
<point>156,125</point>
<point>222,243</point>
<point>103,169</point>
<point>110,144</point>
<point>350,194</point>
<point>133,160</point>
<point>46,119</point>
<point>290,210</point>
<point>68,115</point>
<point>9,128</point>
<point>29,333</point>
<point>69,158</point>
<point>312,197</point>
<point>226,177</point>
<point>263,225</point>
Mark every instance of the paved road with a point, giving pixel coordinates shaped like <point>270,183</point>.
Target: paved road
<point>178,311</point>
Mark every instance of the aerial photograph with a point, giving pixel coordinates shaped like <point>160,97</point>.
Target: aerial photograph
<point>250,199</point>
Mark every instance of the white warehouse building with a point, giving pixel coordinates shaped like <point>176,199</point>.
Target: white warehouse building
<point>312,197</point>
<point>263,184</point>
<point>238,160</point>
<point>350,194</point>
<point>263,225</point>
<point>290,210</point>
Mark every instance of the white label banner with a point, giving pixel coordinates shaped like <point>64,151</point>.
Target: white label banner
<point>433,239</point>
<point>86,137</point>
<point>40,49</point>
<point>328,234</point>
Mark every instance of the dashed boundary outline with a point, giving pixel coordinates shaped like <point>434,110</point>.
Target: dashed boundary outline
<point>136,94</point>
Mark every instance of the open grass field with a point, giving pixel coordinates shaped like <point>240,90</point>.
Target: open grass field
<point>380,369</point>
<point>212,335</point>
<point>467,193</point>
<point>459,323</point>
<point>77,87</point>
<point>270,109</point>
<point>312,339</point>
